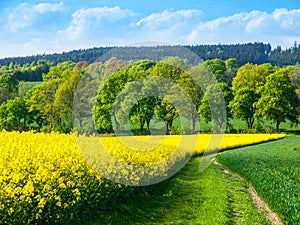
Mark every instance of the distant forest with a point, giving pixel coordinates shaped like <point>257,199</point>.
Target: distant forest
<point>256,53</point>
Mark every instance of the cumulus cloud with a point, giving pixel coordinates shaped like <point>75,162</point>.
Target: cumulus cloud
<point>25,14</point>
<point>167,17</point>
<point>276,27</point>
<point>86,22</point>
<point>19,17</point>
<point>168,26</point>
<point>102,26</point>
<point>48,7</point>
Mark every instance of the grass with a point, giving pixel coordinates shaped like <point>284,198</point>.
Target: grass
<point>238,126</point>
<point>274,170</point>
<point>24,87</point>
<point>189,197</point>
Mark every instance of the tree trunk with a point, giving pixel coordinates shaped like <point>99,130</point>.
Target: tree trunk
<point>169,125</point>
<point>277,125</point>
<point>141,128</point>
<point>40,124</point>
<point>193,122</point>
<point>93,127</point>
<point>72,121</point>
<point>142,122</point>
<point>116,122</point>
<point>168,131</point>
<point>250,124</point>
<point>148,125</point>
<point>24,123</point>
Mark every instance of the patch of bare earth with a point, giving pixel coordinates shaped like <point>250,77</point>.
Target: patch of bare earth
<point>260,204</point>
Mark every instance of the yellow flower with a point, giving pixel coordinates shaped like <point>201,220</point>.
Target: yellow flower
<point>41,168</point>
<point>10,211</point>
<point>58,204</point>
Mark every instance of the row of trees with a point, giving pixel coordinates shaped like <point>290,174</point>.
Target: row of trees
<point>28,72</point>
<point>256,53</point>
<point>265,91</point>
<point>112,94</point>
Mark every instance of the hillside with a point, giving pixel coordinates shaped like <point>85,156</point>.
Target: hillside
<point>257,53</point>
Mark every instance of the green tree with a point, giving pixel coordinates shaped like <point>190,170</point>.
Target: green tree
<point>243,105</point>
<point>295,74</point>
<point>143,112</point>
<point>252,76</point>
<point>8,87</point>
<point>172,70</point>
<point>111,87</point>
<point>189,80</point>
<point>84,100</point>
<point>33,117</point>
<point>13,115</point>
<point>218,68</point>
<point>216,97</point>
<point>191,86</point>
<point>279,100</point>
<point>136,103</point>
<point>232,66</point>
<point>166,70</point>
<point>177,62</point>
<point>42,101</point>
<point>167,112</point>
<point>59,71</point>
<point>64,97</point>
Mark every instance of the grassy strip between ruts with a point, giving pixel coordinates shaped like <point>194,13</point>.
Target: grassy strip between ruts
<point>189,197</point>
<point>273,169</point>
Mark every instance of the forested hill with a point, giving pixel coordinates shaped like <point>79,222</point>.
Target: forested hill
<point>256,53</point>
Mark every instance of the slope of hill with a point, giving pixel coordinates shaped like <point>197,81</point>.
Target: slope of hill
<point>251,52</point>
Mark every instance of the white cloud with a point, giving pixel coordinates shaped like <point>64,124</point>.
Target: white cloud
<point>48,7</point>
<point>276,28</point>
<point>19,17</point>
<point>89,27</point>
<point>86,22</point>
<point>167,26</point>
<point>167,17</point>
<point>287,19</point>
<point>25,14</point>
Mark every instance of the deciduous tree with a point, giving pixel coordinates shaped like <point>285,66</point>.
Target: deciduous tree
<point>279,100</point>
<point>243,105</point>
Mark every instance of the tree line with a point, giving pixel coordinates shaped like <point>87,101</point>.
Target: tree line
<point>249,92</point>
<point>256,53</point>
<point>28,72</point>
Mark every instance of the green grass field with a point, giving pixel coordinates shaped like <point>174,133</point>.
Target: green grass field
<point>190,197</point>
<point>274,170</point>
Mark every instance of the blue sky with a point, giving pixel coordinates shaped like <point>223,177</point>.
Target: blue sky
<point>35,27</point>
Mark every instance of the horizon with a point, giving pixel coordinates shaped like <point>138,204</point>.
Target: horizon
<point>120,46</point>
<point>35,27</point>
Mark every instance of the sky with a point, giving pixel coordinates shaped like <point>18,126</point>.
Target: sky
<point>30,27</point>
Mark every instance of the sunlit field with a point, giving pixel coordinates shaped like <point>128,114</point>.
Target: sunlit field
<point>44,178</point>
<point>207,142</point>
<point>274,170</point>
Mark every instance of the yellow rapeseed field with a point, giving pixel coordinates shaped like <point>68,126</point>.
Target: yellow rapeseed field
<point>228,141</point>
<point>45,178</point>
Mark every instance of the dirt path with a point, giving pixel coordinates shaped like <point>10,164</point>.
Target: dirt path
<point>260,204</point>
<point>263,207</point>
